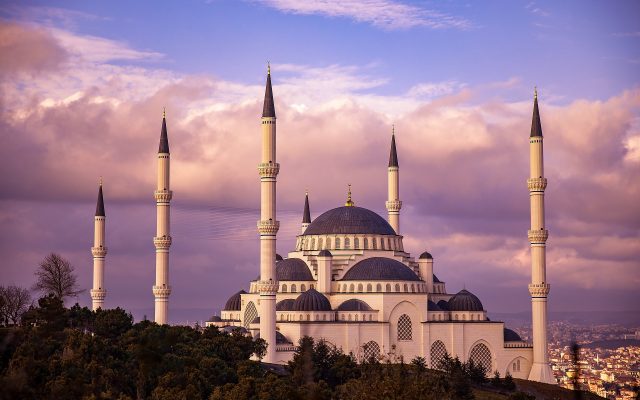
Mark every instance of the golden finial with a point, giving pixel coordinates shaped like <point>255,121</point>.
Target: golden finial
<point>100,180</point>
<point>349,202</point>
<point>393,129</point>
<point>535,92</point>
<point>164,112</point>
<point>306,192</point>
<point>268,68</point>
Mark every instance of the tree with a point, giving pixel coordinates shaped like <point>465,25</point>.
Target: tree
<point>56,275</point>
<point>14,302</point>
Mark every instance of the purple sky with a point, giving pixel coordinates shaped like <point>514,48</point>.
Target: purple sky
<point>83,84</point>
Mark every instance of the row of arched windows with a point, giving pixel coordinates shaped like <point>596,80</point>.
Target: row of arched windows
<point>294,289</point>
<point>389,288</point>
<point>345,243</point>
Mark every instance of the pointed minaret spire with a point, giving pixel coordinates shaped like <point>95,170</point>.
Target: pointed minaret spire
<point>536,127</point>
<point>164,138</point>
<point>100,205</point>
<point>306,214</point>
<point>99,252</point>
<point>268,109</point>
<point>393,155</point>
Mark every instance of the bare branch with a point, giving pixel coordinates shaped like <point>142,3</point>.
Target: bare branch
<point>56,275</point>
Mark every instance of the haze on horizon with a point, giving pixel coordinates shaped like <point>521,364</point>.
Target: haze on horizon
<point>83,85</point>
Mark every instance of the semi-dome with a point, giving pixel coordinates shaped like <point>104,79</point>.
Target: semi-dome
<point>380,269</point>
<point>234,302</point>
<point>325,253</point>
<point>215,318</point>
<point>431,306</point>
<point>311,300</point>
<point>349,220</point>
<point>444,305</point>
<point>426,256</point>
<point>279,257</point>
<point>280,338</point>
<point>511,336</point>
<point>293,269</point>
<point>465,301</point>
<point>354,305</point>
<point>285,305</point>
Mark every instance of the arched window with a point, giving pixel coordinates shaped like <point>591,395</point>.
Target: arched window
<point>284,288</point>
<point>356,243</point>
<point>375,243</point>
<point>250,313</point>
<point>360,287</point>
<point>371,351</point>
<point>388,288</point>
<point>390,247</point>
<point>480,355</point>
<point>378,288</point>
<point>337,243</point>
<point>456,317</point>
<point>381,243</point>
<point>293,288</point>
<point>397,287</point>
<point>369,287</point>
<point>356,317</point>
<point>352,288</point>
<point>328,246</point>
<point>464,317</point>
<point>347,243</point>
<point>349,317</point>
<point>324,317</point>
<point>311,286</point>
<point>404,328</point>
<point>303,288</point>
<point>405,288</point>
<point>313,244</point>
<point>366,243</point>
<point>320,244</point>
<point>413,288</point>
<point>438,351</point>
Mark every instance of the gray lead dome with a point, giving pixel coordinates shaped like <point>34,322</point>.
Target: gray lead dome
<point>311,300</point>
<point>234,302</point>
<point>380,269</point>
<point>465,301</point>
<point>293,269</point>
<point>349,220</point>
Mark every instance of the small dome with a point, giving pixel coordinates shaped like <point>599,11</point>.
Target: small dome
<point>380,269</point>
<point>311,300</point>
<point>280,338</point>
<point>231,329</point>
<point>354,305</point>
<point>234,302</point>
<point>279,257</point>
<point>465,301</point>
<point>325,253</point>
<point>511,336</point>
<point>431,306</point>
<point>349,220</point>
<point>215,318</point>
<point>435,279</point>
<point>256,320</point>
<point>293,269</point>
<point>444,305</point>
<point>426,256</point>
<point>285,305</point>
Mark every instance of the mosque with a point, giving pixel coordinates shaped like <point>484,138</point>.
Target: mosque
<point>350,281</point>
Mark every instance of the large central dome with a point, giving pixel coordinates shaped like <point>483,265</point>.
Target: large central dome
<point>349,220</point>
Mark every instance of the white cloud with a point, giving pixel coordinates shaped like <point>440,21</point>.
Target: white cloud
<point>386,14</point>
<point>430,90</point>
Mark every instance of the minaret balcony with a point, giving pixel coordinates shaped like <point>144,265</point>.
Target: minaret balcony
<point>99,251</point>
<point>163,196</point>
<point>539,289</point>
<point>538,236</point>
<point>98,294</point>
<point>537,184</point>
<point>267,287</point>
<point>268,170</point>
<point>268,227</point>
<point>394,205</point>
<point>162,242</point>
<point>162,292</point>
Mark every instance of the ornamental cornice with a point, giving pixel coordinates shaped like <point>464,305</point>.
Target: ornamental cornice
<point>162,291</point>
<point>537,184</point>
<point>267,287</point>
<point>163,196</point>
<point>268,227</point>
<point>394,205</point>
<point>539,289</point>
<point>268,170</point>
<point>98,294</point>
<point>99,251</point>
<point>162,242</point>
<point>538,236</point>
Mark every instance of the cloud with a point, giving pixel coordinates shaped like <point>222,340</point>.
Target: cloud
<point>31,49</point>
<point>463,160</point>
<point>534,9</point>
<point>385,14</point>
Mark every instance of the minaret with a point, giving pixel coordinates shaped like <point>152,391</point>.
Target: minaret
<point>393,202</point>
<point>99,251</point>
<point>268,225</point>
<point>306,214</point>
<point>539,288</point>
<point>162,240</point>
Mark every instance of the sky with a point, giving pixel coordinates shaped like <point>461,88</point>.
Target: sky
<point>83,85</point>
